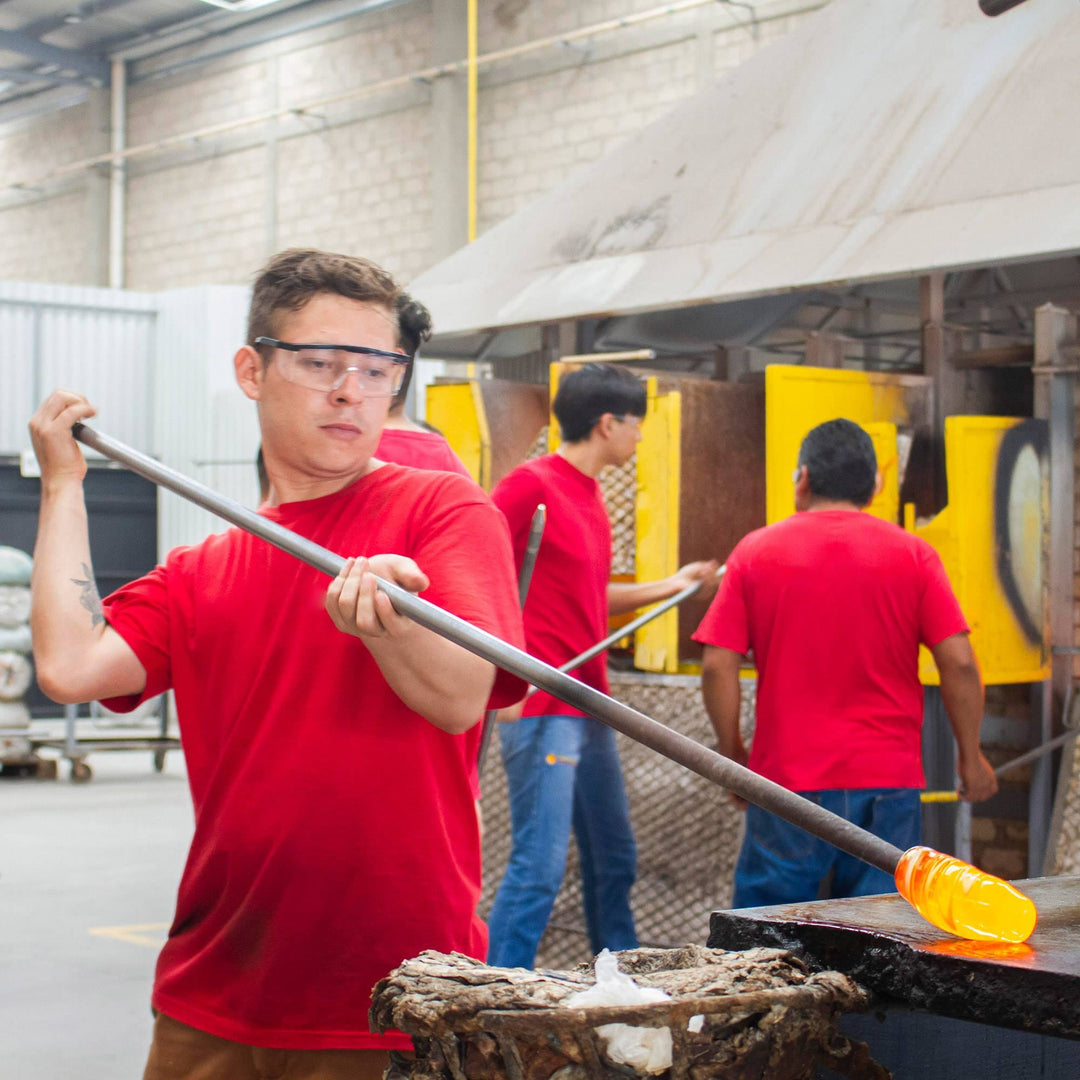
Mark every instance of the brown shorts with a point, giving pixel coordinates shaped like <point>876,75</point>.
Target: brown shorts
<point>179,1052</point>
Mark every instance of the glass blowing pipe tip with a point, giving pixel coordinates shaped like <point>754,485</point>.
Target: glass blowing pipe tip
<point>958,897</point>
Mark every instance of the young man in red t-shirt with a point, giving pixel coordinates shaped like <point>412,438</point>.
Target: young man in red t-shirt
<point>834,604</point>
<point>404,441</point>
<point>335,829</point>
<point>562,767</point>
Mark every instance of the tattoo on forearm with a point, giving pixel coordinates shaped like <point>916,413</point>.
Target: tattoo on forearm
<point>90,598</point>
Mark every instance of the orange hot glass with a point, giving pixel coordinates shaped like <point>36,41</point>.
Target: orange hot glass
<point>958,897</point>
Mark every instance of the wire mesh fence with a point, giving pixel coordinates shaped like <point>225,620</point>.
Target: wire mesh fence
<point>687,830</point>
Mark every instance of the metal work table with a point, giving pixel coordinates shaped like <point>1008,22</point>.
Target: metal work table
<point>926,980</point>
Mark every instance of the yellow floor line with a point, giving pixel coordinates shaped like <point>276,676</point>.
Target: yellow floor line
<point>136,934</point>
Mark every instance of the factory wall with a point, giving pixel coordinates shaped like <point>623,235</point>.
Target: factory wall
<point>357,175</point>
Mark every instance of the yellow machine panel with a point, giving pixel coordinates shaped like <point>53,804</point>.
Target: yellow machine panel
<point>457,410</point>
<point>991,539</point>
<point>656,526</point>
<point>799,398</point>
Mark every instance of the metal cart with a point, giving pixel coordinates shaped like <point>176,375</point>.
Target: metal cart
<point>75,746</point>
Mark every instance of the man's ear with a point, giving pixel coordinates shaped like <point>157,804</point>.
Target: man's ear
<point>248,365</point>
<point>802,485</point>
<point>879,483</point>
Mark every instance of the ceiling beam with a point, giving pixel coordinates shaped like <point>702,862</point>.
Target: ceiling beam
<point>90,67</point>
<point>28,75</point>
<point>50,23</point>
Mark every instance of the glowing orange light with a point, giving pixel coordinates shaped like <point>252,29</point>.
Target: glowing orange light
<point>957,897</point>
<point>983,950</point>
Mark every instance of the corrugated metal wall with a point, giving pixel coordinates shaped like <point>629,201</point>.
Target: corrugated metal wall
<point>98,341</point>
<point>204,425</point>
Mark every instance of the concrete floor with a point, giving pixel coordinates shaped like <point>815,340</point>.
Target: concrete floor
<point>88,877</point>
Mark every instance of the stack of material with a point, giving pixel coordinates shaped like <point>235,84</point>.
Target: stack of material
<point>764,1015</point>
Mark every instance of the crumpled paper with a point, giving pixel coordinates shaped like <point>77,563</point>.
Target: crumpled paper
<point>642,1048</point>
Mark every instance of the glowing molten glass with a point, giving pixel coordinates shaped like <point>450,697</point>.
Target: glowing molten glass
<point>959,898</point>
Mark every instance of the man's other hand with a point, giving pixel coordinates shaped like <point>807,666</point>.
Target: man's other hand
<point>977,779</point>
<point>357,607</point>
<point>704,572</point>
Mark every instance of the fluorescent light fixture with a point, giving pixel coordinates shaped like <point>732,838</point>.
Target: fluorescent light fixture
<point>240,5</point>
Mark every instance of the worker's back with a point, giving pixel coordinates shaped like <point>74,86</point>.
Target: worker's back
<point>836,603</point>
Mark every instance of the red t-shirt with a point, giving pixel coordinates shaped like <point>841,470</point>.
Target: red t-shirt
<point>419,450</point>
<point>566,611</point>
<point>834,604</point>
<point>335,830</point>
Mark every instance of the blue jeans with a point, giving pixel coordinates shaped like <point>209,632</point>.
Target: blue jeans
<point>563,772</point>
<point>782,864</point>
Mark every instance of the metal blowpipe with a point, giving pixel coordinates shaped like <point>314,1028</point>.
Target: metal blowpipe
<point>925,887</point>
<point>635,624</point>
<point>528,564</point>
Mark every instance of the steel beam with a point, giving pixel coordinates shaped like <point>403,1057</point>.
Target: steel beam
<point>1055,389</point>
<point>28,75</point>
<point>90,67</point>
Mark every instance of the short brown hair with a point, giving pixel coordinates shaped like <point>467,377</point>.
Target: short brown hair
<point>291,278</point>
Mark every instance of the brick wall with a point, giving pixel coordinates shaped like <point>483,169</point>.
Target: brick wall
<point>200,223</point>
<point>357,175</point>
<point>365,187</point>
<point>46,239</point>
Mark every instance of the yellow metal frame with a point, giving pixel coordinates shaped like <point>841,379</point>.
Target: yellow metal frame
<point>457,410</point>
<point>799,398</point>
<point>656,522</point>
<point>963,535</point>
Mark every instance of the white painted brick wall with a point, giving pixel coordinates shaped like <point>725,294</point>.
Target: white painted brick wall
<point>364,186</point>
<point>31,149</point>
<point>197,224</point>
<point>387,49</point>
<point>45,241</point>
<point>535,132</point>
<point>365,189</point>
<point>157,110</point>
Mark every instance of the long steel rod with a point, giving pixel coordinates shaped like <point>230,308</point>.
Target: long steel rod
<point>528,564</point>
<point>1024,758</point>
<point>532,549</point>
<point>635,624</point>
<point>679,748</point>
<point>630,627</point>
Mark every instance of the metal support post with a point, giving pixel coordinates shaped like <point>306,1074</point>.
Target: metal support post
<point>117,179</point>
<point>1055,389</point>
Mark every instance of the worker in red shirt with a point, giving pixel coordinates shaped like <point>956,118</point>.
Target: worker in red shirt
<point>834,604</point>
<point>562,767</point>
<point>335,828</point>
<point>403,440</point>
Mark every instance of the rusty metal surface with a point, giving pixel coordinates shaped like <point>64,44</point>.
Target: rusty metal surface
<point>803,167</point>
<point>723,479</point>
<point>884,944</point>
<point>516,414</point>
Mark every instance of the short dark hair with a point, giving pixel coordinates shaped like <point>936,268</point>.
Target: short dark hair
<point>291,278</point>
<point>840,462</point>
<point>414,328</point>
<point>586,394</point>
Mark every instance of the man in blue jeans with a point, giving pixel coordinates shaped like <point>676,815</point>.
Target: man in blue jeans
<point>562,767</point>
<point>834,604</point>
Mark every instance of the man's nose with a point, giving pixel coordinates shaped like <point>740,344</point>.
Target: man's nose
<point>349,389</point>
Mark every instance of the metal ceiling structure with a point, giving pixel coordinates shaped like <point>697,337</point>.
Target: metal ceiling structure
<point>807,191</point>
<point>54,52</point>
